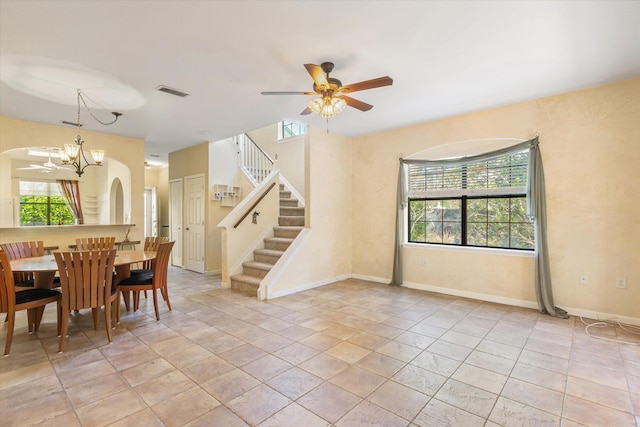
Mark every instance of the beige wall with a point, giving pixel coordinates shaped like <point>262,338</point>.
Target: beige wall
<point>15,133</point>
<point>193,161</point>
<point>289,153</point>
<point>325,255</point>
<point>590,144</point>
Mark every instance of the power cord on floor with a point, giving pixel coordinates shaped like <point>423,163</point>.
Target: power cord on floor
<point>604,324</point>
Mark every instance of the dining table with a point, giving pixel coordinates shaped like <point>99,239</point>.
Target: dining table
<point>44,267</point>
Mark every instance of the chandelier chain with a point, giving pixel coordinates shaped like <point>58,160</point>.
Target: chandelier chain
<point>81,97</point>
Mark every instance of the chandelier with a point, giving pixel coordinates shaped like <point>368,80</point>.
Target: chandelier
<point>327,106</point>
<point>74,154</point>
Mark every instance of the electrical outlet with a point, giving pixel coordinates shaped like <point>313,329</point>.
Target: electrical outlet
<point>424,262</point>
<point>583,279</point>
<point>621,283</point>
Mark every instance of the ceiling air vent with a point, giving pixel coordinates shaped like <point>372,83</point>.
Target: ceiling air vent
<point>167,89</point>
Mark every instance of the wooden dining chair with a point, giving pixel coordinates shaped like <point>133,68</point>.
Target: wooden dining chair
<point>86,279</point>
<point>95,243</point>
<point>151,243</point>
<point>18,250</point>
<point>29,299</point>
<point>153,281</point>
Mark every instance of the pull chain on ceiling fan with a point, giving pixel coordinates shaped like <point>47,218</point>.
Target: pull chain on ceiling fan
<point>333,98</point>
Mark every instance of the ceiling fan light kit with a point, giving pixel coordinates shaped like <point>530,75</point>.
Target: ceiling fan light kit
<point>331,91</point>
<point>327,107</point>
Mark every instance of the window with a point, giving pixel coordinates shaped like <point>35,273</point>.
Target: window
<point>476,204</point>
<point>42,203</point>
<point>289,130</point>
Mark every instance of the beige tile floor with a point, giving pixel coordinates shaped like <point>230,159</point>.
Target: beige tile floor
<point>353,353</point>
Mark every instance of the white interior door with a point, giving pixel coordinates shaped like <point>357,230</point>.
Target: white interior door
<point>194,223</point>
<point>175,212</point>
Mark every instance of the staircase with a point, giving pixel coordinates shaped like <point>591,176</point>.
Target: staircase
<point>290,223</point>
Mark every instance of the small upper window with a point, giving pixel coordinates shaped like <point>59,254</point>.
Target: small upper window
<point>289,130</point>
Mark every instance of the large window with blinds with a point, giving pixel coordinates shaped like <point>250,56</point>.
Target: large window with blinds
<point>42,203</point>
<point>477,204</point>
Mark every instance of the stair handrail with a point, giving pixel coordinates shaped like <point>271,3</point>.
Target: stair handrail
<point>254,158</point>
<point>254,205</point>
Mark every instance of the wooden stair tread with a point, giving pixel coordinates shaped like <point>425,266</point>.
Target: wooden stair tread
<point>245,278</point>
<point>272,252</point>
<point>258,265</point>
<point>278,239</point>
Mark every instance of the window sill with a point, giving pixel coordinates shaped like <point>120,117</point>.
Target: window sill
<point>472,249</point>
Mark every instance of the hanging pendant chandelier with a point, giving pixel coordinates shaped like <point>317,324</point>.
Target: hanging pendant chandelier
<point>74,154</point>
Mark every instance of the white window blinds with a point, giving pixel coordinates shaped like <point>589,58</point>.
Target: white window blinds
<point>506,174</point>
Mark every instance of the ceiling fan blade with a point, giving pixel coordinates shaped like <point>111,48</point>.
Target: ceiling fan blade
<point>359,105</point>
<point>367,84</point>
<point>306,111</point>
<point>288,93</point>
<point>317,74</point>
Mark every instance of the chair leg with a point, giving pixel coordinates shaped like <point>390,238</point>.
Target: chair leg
<point>95,312</point>
<point>11,318</point>
<point>155,304</point>
<point>107,319</point>
<point>59,313</point>
<point>166,297</point>
<point>64,313</point>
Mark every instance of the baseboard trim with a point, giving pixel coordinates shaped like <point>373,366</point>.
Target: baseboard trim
<point>213,272</point>
<point>307,286</point>
<point>595,315</point>
<point>370,278</point>
<point>473,295</point>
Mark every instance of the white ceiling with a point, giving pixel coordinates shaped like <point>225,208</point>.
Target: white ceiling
<point>445,57</point>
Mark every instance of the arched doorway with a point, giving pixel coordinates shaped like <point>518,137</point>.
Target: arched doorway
<point>117,203</point>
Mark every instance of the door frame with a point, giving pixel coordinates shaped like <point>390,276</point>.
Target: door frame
<point>179,246</point>
<point>201,242</point>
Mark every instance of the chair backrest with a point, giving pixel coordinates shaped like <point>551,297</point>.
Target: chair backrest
<point>152,244</point>
<point>95,243</point>
<point>7,289</point>
<point>85,278</point>
<point>161,264</point>
<point>18,250</point>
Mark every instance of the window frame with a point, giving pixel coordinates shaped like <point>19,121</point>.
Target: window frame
<point>284,124</point>
<point>465,175</point>
<point>48,204</point>
<point>464,222</point>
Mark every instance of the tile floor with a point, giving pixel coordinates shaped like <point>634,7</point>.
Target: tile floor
<point>353,353</point>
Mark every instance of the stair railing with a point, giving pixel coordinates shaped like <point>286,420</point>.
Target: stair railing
<point>256,164</point>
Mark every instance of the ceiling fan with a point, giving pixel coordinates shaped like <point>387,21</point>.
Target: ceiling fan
<point>333,95</point>
<point>46,167</point>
